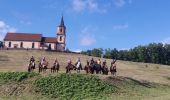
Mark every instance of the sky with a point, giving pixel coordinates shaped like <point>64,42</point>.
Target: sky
<point>120,24</point>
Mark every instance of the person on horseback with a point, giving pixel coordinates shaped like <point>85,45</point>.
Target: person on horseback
<point>91,61</point>
<point>43,60</point>
<point>32,62</point>
<point>104,68</point>
<point>113,67</point>
<point>56,62</point>
<point>55,66</point>
<point>68,67</point>
<point>78,65</point>
<point>99,62</point>
<point>32,59</point>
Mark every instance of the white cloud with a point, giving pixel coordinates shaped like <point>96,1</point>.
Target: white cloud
<point>121,3</point>
<point>87,41</point>
<point>78,5</point>
<point>77,50</point>
<point>4,28</point>
<point>166,41</point>
<point>89,5</point>
<point>120,27</point>
<point>87,38</point>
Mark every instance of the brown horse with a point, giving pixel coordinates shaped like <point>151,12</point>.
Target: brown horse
<point>87,67</point>
<point>105,69</point>
<point>55,68</point>
<point>31,66</point>
<point>43,66</point>
<point>70,67</point>
<point>113,69</point>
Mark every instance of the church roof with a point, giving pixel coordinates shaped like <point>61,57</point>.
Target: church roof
<point>23,37</point>
<point>49,39</point>
<point>29,37</point>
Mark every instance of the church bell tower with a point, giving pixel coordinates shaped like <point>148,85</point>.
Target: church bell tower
<point>61,36</point>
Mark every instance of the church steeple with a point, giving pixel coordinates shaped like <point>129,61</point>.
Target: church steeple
<point>61,35</point>
<point>62,22</point>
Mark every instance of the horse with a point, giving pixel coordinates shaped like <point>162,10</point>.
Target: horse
<point>113,69</point>
<point>70,67</point>
<point>31,66</point>
<point>55,67</point>
<point>78,67</point>
<point>97,68</point>
<point>105,69</point>
<point>87,67</point>
<point>43,66</point>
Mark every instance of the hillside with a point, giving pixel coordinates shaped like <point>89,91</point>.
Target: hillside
<point>14,60</point>
<point>137,80</point>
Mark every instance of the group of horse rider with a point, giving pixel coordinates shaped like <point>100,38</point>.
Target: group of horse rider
<point>91,66</point>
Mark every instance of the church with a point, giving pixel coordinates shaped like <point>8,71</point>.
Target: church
<point>37,41</point>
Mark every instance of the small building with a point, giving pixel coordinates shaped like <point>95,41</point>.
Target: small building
<point>37,41</point>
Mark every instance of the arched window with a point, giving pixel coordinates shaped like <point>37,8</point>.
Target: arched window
<point>33,45</point>
<point>60,38</point>
<point>9,45</point>
<point>61,30</point>
<point>21,45</point>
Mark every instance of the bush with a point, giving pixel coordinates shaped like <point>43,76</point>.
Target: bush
<point>73,86</point>
<point>16,76</point>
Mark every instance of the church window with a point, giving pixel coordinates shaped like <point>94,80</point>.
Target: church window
<point>61,30</point>
<point>33,45</point>
<point>21,45</point>
<point>60,38</point>
<point>9,45</point>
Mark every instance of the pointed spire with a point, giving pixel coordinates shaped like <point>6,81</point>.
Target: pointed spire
<point>62,22</point>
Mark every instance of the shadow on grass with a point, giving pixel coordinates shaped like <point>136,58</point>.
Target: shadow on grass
<point>119,81</point>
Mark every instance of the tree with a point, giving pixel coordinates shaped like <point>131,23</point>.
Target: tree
<point>97,52</point>
<point>1,44</point>
<point>107,53</point>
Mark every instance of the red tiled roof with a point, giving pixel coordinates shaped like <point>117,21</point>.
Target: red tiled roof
<point>49,39</point>
<point>23,37</point>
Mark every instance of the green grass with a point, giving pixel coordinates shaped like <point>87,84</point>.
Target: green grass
<point>73,87</point>
<point>25,86</point>
<point>15,76</point>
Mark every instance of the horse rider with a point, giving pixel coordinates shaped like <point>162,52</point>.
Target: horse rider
<point>69,62</point>
<point>32,61</point>
<point>113,66</point>
<point>43,60</point>
<point>91,61</point>
<point>56,62</point>
<point>78,65</point>
<point>104,68</point>
<point>99,62</point>
<point>104,63</point>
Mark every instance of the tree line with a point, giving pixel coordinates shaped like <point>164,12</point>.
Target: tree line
<point>152,53</point>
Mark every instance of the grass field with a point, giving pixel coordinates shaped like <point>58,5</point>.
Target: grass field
<point>136,81</point>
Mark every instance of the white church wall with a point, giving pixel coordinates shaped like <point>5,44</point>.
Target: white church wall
<point>26,44</point>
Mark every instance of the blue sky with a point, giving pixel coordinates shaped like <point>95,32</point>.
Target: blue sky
<point>120,24</point>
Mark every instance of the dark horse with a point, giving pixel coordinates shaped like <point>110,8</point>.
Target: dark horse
<point>31,66</point>
<point>104,68</point>
<point>55,68</point>
<point>70,67</point>
<point>43,66</point>
<point>97,68</point>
